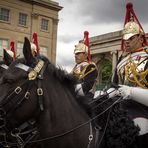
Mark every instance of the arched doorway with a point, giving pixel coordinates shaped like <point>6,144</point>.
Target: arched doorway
<point>104,72</point>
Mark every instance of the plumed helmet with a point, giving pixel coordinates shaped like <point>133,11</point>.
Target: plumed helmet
<point>130,29</point>
<point>33,48</point>
<point>10,53</point>
<point>81,47</point>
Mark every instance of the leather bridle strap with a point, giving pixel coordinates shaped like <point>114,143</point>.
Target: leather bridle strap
<point>90,138</point>
<point>12,94</point>
<point>40,90</point>
<point>36,73</point>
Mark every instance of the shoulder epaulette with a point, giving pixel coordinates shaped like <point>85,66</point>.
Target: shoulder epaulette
<point>91,69</point>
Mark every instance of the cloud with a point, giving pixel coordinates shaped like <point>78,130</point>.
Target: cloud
<point>101,11</point>
<point>68,38</point>
<point>109,11</point>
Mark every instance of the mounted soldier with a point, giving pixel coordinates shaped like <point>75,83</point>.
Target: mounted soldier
<point>131,75</point>
<point>85,70</point>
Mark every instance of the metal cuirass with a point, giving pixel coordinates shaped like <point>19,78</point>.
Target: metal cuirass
<point>133,69</point>
<point>79,70</point>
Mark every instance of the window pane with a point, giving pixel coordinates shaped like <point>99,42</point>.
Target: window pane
<point>22,19</point>
<point>4,14</point>
<point>19,52</point>
<point>3,45</point>
<point>43,51</point>
<point>44,24</point>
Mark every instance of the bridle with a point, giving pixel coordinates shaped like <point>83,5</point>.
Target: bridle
<point>27,129</point>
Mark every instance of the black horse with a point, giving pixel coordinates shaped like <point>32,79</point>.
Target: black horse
<point>39,108</point>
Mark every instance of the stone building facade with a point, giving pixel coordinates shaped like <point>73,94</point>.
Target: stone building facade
<point>21,18</point>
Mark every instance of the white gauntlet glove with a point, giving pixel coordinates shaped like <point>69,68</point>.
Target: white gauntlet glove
<point>125,91</point>
<point>112,92</point>
<point>135,93</point>
<point>79,90</point>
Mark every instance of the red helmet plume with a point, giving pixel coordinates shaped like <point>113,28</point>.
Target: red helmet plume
<point>13,49</point>
<point>86,42</point>
<point>35,41</point>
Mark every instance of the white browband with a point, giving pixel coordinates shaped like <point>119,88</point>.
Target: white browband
<point>22,66</point>
<point>4,66</point>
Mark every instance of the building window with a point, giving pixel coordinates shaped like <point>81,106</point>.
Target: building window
<point>4,14</point>
<point>3,45</point>
<point>22,19</point>
<point>43,51</point>
<point>19,52</point>
<point>44,24</point>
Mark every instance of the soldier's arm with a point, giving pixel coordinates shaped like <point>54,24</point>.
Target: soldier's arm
<point>89,78</point>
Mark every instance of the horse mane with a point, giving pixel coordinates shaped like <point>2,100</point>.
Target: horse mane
<point>61,75</point>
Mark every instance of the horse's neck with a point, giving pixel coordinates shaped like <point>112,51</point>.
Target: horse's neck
<point>62,110</point>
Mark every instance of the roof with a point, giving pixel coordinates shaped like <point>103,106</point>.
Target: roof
<point>45,3</point>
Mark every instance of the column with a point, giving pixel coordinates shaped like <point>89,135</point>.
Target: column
<point>114,59</point>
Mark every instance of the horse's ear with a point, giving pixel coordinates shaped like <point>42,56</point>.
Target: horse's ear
<point>27,52</point>
<point>7,58</point>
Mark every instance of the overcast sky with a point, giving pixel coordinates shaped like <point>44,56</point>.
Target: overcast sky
<point>97,17</point>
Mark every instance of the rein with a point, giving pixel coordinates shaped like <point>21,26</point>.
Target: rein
<point>72,130</point>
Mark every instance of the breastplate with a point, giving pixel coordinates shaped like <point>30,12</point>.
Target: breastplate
<point>79,70</point>
<point>132,69</point>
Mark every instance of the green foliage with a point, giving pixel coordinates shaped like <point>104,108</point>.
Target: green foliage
<point>106,71</point>
<point>106,75</point>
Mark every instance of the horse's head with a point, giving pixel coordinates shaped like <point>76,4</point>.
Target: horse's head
<point>19,92</point>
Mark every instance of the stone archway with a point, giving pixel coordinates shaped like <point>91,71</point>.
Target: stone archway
<point>104,65</point>
<point>106,48</point>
